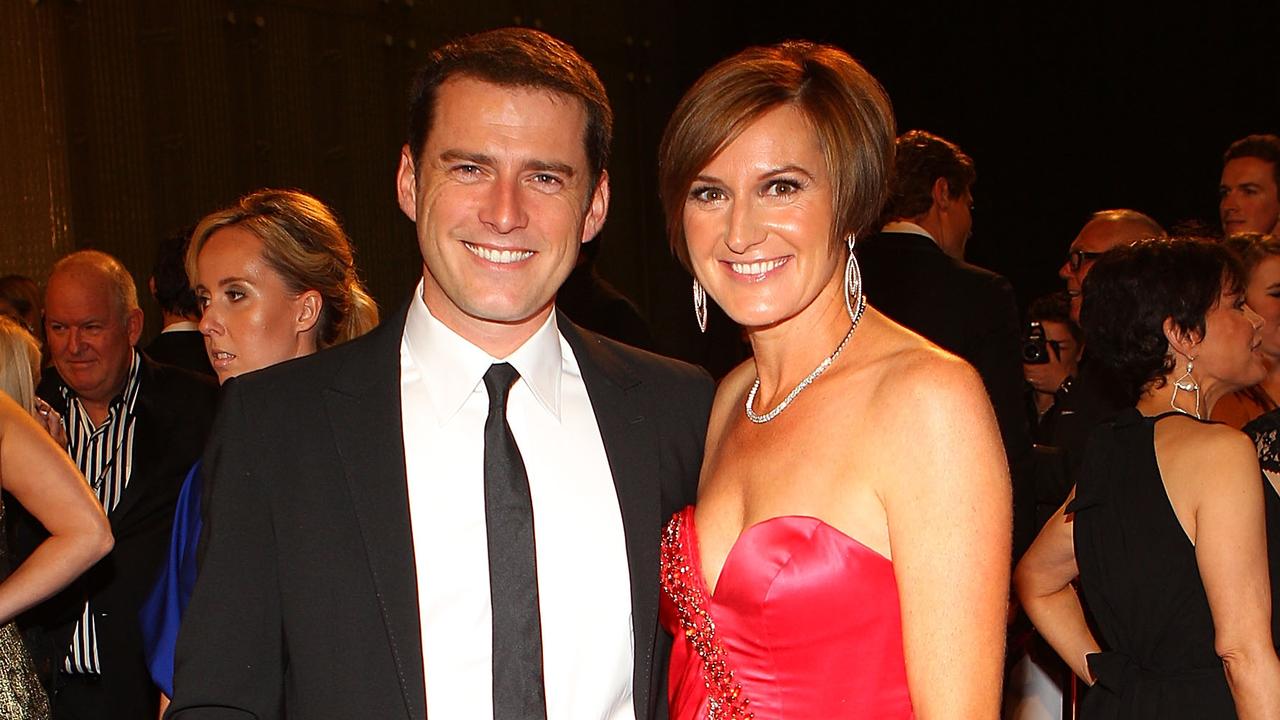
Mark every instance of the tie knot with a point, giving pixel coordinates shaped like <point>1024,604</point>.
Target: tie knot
<point>498,381</point>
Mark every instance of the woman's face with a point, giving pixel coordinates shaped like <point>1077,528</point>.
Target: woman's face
<point>250,318</point>
<point>757,221</point>
<point>1263,295</point>
<point>1229,351</point>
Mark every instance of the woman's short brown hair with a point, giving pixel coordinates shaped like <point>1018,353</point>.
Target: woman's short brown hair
<point>305,245</point>
<point>847,108</point>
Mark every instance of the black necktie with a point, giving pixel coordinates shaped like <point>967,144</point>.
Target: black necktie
<point>518,692</point>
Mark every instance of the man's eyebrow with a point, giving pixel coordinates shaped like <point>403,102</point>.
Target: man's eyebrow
<point>465,156</point>
<point>550,166</point>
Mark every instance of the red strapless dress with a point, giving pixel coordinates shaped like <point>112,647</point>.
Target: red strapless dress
<point>804,623</point>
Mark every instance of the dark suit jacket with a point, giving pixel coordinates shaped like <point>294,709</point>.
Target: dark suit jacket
<point>307,605</point>
<point>174,411</point>
<point>968,311</point>
<point>184,348</point>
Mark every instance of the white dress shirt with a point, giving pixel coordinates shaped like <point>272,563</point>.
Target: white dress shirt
<point>584,584</point>
<point>908,227</point>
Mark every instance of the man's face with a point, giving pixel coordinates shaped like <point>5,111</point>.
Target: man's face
<point>502,198</point>
<point>90,336</point>
<point>1095,238</point>
<point>1247,196</point>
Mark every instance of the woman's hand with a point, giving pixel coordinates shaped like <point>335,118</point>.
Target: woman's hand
<point>51,421</point>
<point>1043,583</point>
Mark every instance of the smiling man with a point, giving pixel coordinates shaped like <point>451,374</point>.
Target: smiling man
<point>133,428</point>
<point>1249,192</point>
<point>466,521</point>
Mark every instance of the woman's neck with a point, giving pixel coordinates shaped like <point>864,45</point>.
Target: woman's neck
<point>788,351</point>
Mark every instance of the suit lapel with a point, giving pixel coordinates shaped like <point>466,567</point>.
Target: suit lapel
<point>631,445</point>
<point>363,404</point>
<point>153,422</point>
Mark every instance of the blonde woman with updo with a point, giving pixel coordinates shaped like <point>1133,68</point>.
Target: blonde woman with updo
<point>37,472</point>
<point>275,279</point>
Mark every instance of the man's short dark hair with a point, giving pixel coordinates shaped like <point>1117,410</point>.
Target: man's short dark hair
<point>1262,147</point>
<point>173,289</point>
<point>922,158</point>
<point>516,57</point>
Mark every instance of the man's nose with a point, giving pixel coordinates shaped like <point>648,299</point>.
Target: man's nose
<point>504,209</point>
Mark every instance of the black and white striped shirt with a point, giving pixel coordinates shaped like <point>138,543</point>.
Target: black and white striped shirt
<point>105,455</point>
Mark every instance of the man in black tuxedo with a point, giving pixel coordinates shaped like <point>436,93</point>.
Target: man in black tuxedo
<point>354,561</point>
<point>134,427</point>
<point>180,341</point>
<point>914,272</point>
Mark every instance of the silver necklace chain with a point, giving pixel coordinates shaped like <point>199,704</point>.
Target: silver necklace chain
<point>817,372</point>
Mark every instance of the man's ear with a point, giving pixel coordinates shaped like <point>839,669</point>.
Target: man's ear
<point>941,193</point>
<point>407,184</point>
<point>133,325</point>
<point>598,209</point>
<point>1183,342</point>
<point>309,305</point>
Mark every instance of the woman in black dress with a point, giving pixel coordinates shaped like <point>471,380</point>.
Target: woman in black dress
<point>1166,526</point>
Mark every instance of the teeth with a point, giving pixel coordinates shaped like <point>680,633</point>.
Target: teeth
<point>756,268</point>
<point>502,257</point>
<point>222,355</point>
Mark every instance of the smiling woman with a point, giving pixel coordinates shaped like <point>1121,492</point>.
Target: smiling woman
<point>275,278</point>
<point>825,571</point>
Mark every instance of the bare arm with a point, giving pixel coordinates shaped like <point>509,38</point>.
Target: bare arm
<point>1231,554</point>
<point>1043,581</point>
<point>949,515</point>
<point>40,476</point>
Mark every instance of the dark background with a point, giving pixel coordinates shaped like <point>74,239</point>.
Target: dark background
<point>123,120</point>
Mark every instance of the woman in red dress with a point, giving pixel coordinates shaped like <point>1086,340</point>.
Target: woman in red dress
<point>849,553</point>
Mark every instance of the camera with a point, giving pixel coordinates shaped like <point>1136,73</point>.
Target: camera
<point>1035,347</point>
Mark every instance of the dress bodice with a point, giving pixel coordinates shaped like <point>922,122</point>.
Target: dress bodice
<point>804,623</point>
<point>1142,584</point>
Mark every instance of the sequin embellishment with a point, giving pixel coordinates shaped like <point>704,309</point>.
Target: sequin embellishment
<point>725,700</point>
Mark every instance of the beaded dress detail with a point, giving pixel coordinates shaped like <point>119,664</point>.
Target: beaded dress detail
<point>804,623</point>
<point>21,695</point>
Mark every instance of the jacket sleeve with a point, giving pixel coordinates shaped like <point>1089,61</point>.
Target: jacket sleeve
<point>230,655</point>
<point>997,358</point>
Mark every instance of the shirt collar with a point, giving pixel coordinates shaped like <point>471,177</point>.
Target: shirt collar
<point>180,326</point>
<point>908,227</point>
<point>128,395</point>
<point>452,368</point>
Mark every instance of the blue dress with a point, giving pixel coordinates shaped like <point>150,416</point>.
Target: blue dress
<point>161,614</point>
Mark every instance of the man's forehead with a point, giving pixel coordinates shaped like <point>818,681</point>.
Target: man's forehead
<point>81,297</point>
<point>1249,169</point>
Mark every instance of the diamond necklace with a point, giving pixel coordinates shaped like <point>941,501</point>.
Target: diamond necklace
<point>817,372</point>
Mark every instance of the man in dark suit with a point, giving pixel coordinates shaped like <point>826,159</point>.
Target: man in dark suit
<point>133,427</point>
<point>353,560</point>
<point>180,341</point>
<point>914,272</point>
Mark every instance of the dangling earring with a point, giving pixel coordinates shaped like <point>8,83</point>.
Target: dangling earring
<point>700,305</point>
<point>852,283</point>
<point>1186,383</point>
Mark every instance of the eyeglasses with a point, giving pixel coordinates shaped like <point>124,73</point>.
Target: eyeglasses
<point>1076,258</point>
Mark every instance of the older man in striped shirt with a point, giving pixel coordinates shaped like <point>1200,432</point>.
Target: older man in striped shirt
<point>133,427</point>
